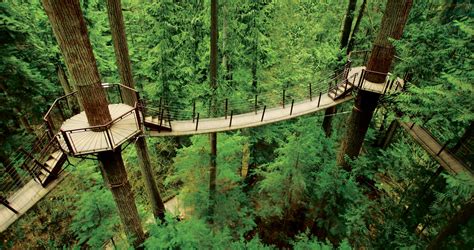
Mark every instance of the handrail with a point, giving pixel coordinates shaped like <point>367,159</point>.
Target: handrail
<point>106,126</point>
<point>45,117</point>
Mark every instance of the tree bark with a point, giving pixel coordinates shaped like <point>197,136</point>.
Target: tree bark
<point>393,22</point>
<point>70,31</point>
<point>150,183</point>
<point>119,38</point>
<point>346,31</point>
<point>72,102</point>
<point>462,217</point>
<point>392,129</point>
<point>327,121</point>
<point>383,51</point>
<point>351,44</point>
<point>213,136</point>
<point>115,176</point>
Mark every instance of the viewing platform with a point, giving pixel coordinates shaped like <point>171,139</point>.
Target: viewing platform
<point>77,136</point>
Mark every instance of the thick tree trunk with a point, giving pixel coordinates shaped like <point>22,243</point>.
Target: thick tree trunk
<point>351,44</point>
<point>115,176</point>
<point>393,22</point>
<point>71,33</point>
<point>213,136</point>
<point>119,38</point>
<point>462,217</point>
<point>383,51</point>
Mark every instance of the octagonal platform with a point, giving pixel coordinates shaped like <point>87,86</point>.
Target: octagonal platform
<point>77,137</point>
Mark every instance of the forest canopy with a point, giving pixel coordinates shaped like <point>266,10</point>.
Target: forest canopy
<point>351,175</point>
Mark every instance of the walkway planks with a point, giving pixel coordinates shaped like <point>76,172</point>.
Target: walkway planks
<point>24,199</point>
<point>432,146</point>
<point>88,141</point>
<point>248,120</point>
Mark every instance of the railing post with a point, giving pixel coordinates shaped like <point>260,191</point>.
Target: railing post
<point>291,110</point>
<point>412,125</point>
<point>284,93</point>
<point>226,105</point>
<point>68,143</point>
<point>161,119</point>
<point>61,111</point>
<point>161,102</point>
<point>361,79</point>
<point>109,137</point>
<point>231,115</point>
<point>385,89</point>
<point>310,93</point>
<point>319,100</point>
<point>263,114</point>
<point>256,104</point>
<point>442,148</point>
<point>197,121</point>
<point>120,93</point>
<point>194,109</point>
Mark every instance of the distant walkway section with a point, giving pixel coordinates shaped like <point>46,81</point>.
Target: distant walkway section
<point>447,160</point>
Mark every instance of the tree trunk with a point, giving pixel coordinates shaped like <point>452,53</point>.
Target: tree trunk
<point>392,129</point>
<point>119,38</point>
<point>72,102</point>
<point>115,176</point>
<point>213,136</point>
<point>150,183</point>
<point>71,33</point>
<point>327,122</point>
<point>462,217</point>
<point>383,51</point>
<point>351,44</point>
<point>393,22</point>
<point>346,31</point>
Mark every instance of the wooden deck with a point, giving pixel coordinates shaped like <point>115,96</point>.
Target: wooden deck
<point>24,199</point>
<point>88,141</point>
<point>375,87</point>
<point>432,146</point>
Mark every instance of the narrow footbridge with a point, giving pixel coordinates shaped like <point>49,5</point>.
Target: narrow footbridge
<point>34,171</point>
<point>438,151</point>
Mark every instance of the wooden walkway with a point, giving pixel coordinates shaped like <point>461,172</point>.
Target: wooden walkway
<point>433,147</point>
<point>272,115</point>
<point>24,199</point>
<point>248,120</point>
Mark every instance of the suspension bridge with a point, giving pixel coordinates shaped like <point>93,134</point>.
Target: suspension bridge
<point>36,170</point>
